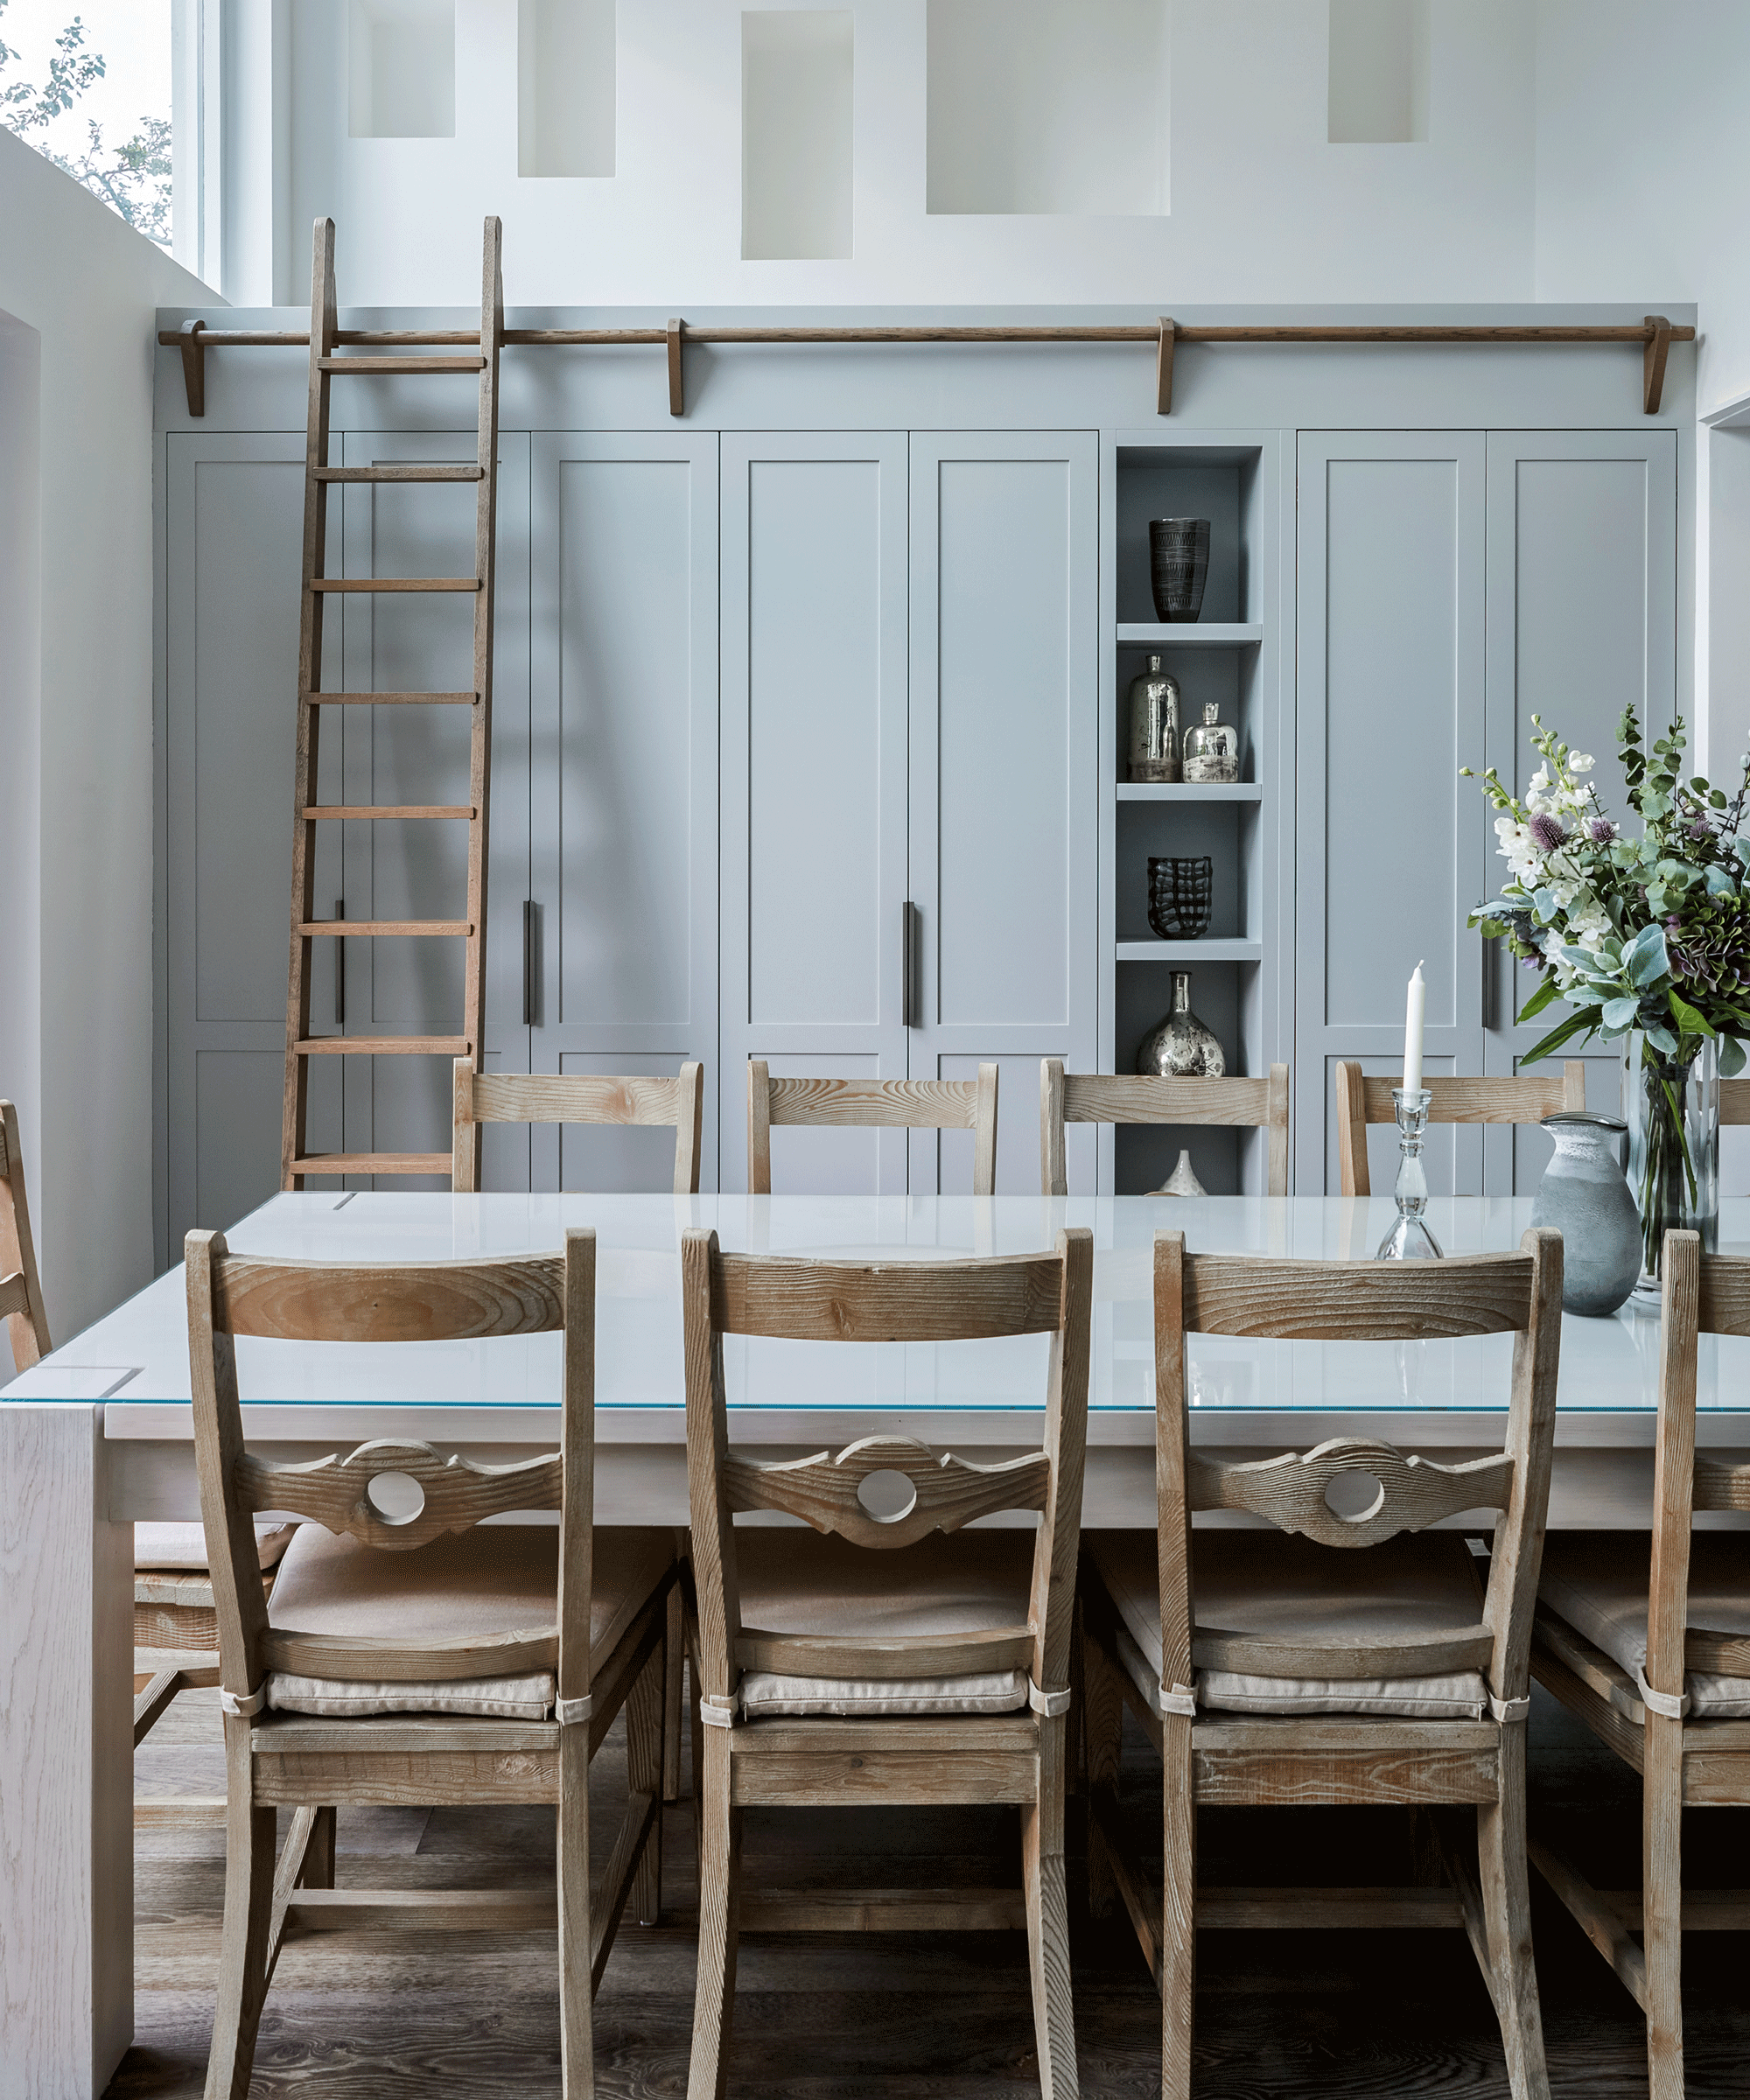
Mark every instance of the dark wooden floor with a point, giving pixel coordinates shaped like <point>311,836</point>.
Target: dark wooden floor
<point>458,2016</point>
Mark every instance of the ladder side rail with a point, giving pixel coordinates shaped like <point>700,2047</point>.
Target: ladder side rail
<point>323,326</point>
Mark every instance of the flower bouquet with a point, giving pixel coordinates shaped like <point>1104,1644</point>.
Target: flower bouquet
<point>1646,939</point>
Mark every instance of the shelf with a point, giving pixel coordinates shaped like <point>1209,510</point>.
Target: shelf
<point>1190,951</point>
<point>1190,635</point>
<point>1190,791</point>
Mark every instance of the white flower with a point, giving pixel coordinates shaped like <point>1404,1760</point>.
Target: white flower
<point>1580,761</point>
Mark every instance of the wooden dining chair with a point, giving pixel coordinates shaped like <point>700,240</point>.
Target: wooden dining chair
<point>912,1104</point>
<point>1646,1638</point>
<point>1271,1671</point>
<point>1140,1098</point>
<point>406,1655</point>
<point>482,1097</point>
<point>21,1290</point>
<point>1362,1101</point>
<point>946,1682</point>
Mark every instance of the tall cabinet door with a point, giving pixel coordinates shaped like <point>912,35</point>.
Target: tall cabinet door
<point>1582,557</point>
<point>624,809</point>
<point>232,545</point>
<point>814,787</point>
<point>1004,855</point>
<point>1391,844</point>
<point>418,869</point>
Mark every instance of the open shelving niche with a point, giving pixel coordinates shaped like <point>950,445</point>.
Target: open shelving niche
<point>1231,654</point>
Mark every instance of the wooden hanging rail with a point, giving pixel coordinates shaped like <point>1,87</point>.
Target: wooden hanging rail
<point>1654,336</point>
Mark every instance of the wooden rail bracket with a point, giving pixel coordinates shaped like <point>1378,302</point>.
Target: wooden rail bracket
<point>194,365</point>
<point>1653,361</point>
<point>1163,366</point>
<point>677,387</point>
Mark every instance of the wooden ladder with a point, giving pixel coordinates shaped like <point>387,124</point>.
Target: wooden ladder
<point>296,1160</point>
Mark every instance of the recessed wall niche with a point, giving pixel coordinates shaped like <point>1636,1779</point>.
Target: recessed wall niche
<point>1039,107</point>
<point>565,87</point>
<point>401,80</point>
<point>797,72</point>
<point>1379,72</point>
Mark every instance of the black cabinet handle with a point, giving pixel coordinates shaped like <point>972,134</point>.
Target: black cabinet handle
<point>908,980</point>
<point>529,961</point>
<point>340,968</point>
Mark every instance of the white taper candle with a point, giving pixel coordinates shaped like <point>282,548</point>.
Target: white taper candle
<point>1415,1007</point>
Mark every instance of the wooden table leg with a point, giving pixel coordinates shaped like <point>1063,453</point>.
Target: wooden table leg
<point>66,1828</point>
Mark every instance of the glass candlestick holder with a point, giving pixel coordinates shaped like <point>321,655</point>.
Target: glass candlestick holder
<point>1410,1239</point>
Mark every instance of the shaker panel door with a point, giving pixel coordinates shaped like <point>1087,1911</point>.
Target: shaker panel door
<point>1004,806</point>
<point>625,730</point>
<point>235,520</point>
<point>814,787</point>
<point>412,642</point>
<point>1582,622</point>
<point>1391,840</point>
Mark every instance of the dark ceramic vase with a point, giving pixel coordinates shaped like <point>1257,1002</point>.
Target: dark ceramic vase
<point>1179,565</point>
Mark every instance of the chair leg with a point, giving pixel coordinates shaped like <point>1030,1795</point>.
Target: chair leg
<point>1178,1908</point>
<point>1102,1722</point>
<point>1507,1916</point>
<point>719,1894</point>
<point>577,2026</point>
<point>1662,1899</point>
<point>646,1706</point>
<point>674,1673</point>
<point>1042,1876</point>
<point>249,1917</point>
<point>318,1857</point>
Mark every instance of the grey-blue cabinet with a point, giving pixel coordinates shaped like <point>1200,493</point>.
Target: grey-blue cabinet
<point>1450,585</point>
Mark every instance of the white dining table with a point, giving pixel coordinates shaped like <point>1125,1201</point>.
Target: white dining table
<point>98,1435</point>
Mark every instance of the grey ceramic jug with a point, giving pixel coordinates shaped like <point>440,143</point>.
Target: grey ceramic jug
<point>1583,1195</point>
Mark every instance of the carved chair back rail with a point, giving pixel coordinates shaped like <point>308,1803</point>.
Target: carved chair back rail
<point>579,1098</point>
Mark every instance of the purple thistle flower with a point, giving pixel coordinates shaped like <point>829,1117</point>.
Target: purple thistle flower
<point>1699,829</point>
<point>1602,830</point>
<point>1547,832</point>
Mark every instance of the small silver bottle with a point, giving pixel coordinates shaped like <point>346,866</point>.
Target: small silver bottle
<point>1154,725</point>
<point>1212,748</point>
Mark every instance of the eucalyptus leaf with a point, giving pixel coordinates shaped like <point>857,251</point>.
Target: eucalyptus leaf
<point>1662,1039</point>
<point>1619,1014</point>
<point>1731,1057</point>
<point>1646,959</point>
<point>1719,884</point>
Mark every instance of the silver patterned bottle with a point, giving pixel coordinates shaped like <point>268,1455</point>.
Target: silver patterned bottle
<point>1212,748</point>
<point>1181,1048</point>
<point>1154,725</point>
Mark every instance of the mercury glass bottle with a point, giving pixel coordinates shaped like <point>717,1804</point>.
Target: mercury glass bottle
<point>1212,748</point>
<point>1154,725</point>
<point>1180,1046</point>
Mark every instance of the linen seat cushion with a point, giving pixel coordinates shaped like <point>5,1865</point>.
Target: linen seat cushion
<point>496,1578</point>
<point>185,1545</point>
<point>1600,1582</point>
<point>794,1581</point>
<point>1268,1582</point>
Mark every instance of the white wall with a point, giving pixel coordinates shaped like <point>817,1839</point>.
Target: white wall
<point>77,290</point>
<point>1263,208</point>
<point>1643,170</point>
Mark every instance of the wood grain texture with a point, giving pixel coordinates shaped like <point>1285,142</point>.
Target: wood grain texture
<point>1290,1489</point>
<point>21,1291</point>
<point>677,1103</point>
<point>947,1492</point>
<point>1383,1301</point>
<point>1362,1101</point>
<point>1131,1098</point>
<point>458,1492</point>
<point>912,1104</point>
<point>336,1301</point>
<point>798,1299</point>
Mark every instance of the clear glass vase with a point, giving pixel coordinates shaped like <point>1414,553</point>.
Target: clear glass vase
<point>1672,1111</point>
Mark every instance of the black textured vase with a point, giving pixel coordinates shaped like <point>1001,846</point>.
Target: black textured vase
<point>1181,896</point>
<point>1178,563</point>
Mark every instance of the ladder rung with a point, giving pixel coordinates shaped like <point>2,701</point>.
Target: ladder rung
<point>316,930</point>
<point>323,812</point>
<point>384,1046</point>
<point>386,367</point>
<point>390,699</point>
<point>398,470</point>
<point>373,1163</point>
<point>395,583</point>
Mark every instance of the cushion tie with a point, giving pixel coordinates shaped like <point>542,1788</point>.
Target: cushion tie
<point>1668,1705</point>
<point>1180,1699</point>
<point>572,1712</point>
<point>1050,1703</point>
<point>1509,1709</point>
<point>244,1705</point>
<point>720,1712</point>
